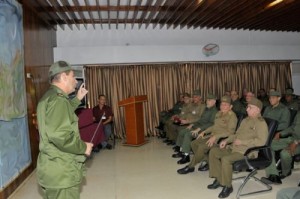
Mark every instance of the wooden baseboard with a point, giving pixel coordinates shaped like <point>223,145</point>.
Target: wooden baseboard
<point>10,188</point>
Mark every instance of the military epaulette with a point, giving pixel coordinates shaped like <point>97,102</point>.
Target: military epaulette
<point>60,95</point>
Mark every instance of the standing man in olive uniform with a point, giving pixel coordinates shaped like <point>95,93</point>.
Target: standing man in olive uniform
<point>252,132</point>
<point>288,147</point>
<point>224,125</point>
<point>60,165</point>
<point>185,136</point>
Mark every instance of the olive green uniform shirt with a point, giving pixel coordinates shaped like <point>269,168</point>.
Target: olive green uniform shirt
<point>207,118</point>
<point>252,132</point>
<point>61,159</point>
<point>238,107</point>
<point>192,112</point>
<point>294,129</point>
<point>176,108</point>
<point>292,105</point>
<point>224,125</point>
<point>280,113</point>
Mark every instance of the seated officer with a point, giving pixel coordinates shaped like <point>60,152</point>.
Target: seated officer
<point>237,106</point>
<point>288,147</point>
<point>263,97</point>
<point>164,116</point>
<point>289,100</point>
<point>252,132</point>
<point>193,112</point>
<point>224,125</point>
<point>168,127</point>
<point>277,111</point>
<point>185,136</point>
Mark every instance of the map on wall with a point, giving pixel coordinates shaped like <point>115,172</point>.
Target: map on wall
<point>14,136</point>
<point>12,84</point>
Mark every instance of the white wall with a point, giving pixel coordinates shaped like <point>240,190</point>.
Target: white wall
<point>162,45</point>
<point>128,45</point>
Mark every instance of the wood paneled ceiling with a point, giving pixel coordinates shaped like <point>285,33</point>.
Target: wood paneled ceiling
<point>216,14</point>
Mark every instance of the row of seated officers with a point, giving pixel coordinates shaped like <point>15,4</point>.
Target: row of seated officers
<point>217,138</point>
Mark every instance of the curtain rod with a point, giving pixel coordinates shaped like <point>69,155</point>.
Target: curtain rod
<point>154,63</point>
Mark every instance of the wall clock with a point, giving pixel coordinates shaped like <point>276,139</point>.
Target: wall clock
<point>210,49</point>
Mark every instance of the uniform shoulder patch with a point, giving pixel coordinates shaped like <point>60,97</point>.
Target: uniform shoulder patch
<point>60,95</point>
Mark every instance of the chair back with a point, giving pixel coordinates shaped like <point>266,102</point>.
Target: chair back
<point>267,153</point>
<point>293,115</point>
<point>272,127</point>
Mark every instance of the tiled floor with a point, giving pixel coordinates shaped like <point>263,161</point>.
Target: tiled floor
<point>146,172</point>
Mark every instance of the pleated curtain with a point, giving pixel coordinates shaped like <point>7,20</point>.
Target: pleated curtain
<point>162,83</point>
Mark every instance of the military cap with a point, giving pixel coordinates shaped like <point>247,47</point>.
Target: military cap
<point>211,96</point>
<point>275,93</point>
<point>197,92</point>
<point>256,102</point>
<point>289,92</point>
<point>226,99</point>
<point>186,95</point>
<point>59,67</point>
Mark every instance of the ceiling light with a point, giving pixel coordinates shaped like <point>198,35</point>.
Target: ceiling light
<point>274,3</point>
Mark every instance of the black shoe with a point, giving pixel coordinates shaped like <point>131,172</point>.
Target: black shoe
<point>184,159</point>
<point>171,143</point>
<point>226,191</point>
<point>108,146</point>
<point>176,149</point>
<point>186,170</point>
<point>178,155</point>
<point>166,140</point>
<point>272,179</point>
<point>203,167</point>
<point>284,176</point>
<point>214,185</point>
<point>162,135</point>
<point>95,150</point>
<point>99,146</point>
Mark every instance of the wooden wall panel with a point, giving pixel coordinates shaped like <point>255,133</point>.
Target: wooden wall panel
<point>39,41</point>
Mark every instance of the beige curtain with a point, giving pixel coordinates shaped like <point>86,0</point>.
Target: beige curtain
<point>163,82</point>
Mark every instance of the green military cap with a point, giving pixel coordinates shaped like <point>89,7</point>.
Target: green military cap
<point>256,102</point>
<point>275,93</point>
<point>197,92</point>
<point>289,92</point>
<point>211,96</point>
<point>59,67</point>
<point>226,99</point>
<point>186,95</point>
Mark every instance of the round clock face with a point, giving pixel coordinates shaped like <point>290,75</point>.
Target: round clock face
<point>210,49</point>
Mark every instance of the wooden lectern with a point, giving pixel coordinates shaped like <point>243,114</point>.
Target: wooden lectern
<point>134,118</point>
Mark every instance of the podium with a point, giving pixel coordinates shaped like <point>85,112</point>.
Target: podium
<point>134,120</point>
